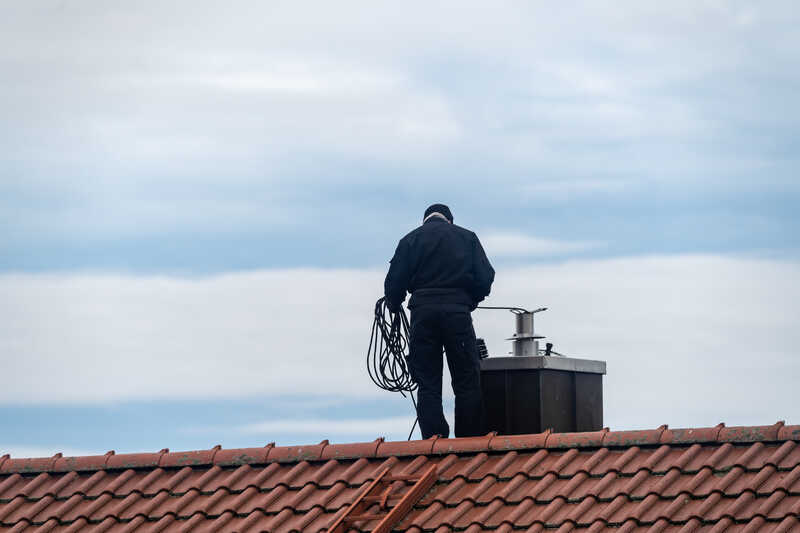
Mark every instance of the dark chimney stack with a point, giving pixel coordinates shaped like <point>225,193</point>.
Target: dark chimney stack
<point>530,393</point>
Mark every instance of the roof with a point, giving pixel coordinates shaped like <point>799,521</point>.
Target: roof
<point>700,479</point>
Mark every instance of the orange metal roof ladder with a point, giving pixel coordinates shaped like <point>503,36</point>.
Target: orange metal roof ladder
<point>379,492</point>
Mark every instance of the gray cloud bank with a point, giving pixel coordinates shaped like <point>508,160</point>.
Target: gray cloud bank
<point>689,340</point>
<point>131,129</point>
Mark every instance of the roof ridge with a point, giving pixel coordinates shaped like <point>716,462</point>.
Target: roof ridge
<point>435,445</point>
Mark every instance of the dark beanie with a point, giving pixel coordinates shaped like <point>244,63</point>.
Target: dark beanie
<point>439,208</point>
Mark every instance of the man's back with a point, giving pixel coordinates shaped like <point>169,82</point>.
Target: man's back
<point>439,262</point>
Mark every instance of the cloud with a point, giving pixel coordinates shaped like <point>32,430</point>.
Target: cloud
<point>163,118</point>
<point>510,244</point>
<point>689,340</point>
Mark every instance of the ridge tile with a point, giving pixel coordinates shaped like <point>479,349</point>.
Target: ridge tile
<point>194,458</point>
<point>242,456</point>
<point>291,454</point>
<point>589,439</point>
<point>85,463</point>
<point>634,438</point>
<point>462,445</point>
<point>690,435</point>
<point>32,465</point>
<point>750,434</point>
<point>789,433</point>
<point>519,442</point>
<point>406,448</point>
<point>135,460</point>
<point>351,451</point>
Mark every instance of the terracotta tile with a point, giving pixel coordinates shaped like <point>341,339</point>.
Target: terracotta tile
<point>29,466</point>
<point>784,480</point>
<point>462,466</point>
<point>615,461</point>
<point>719,458</point>
<point>359,476</point>
<point>195,458</point>
<point>546,462</point>
<point>634,438</point>
<point>242,456</point>
<point>792,458</point>
<point>593,439</point>
<point>124,482</point>
<point>10,484</point>
<point>405,448</point>
<point>631,461</point>
<point>788,505</point>
<point>531,516</point>
<point>77,464</point>
<point>291,454</point>
<point>471,491</point>
<point>749,433</point>
<point>714,457</point>
<point>585,461</point>
<point>33,485</point>
<point>690,435</point>
<point>789,433</point>
<point>351,451</point>
<point>135,460</point>
<point>462,445</point>
<point>653,508</point>
<point>585,488</point>
<point>518,442</point>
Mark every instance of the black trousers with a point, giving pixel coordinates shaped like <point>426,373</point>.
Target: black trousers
<point>450,326</point>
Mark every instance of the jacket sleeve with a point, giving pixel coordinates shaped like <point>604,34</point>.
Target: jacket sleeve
<point>482,271</point>
<point>397,279</point>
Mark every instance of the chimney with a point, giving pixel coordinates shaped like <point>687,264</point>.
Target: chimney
<point>530,392</point>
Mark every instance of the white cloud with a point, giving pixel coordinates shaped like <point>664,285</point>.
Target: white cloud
<point>510,244</point>
<point>155,81</point>
<point>689,340</point>
<point>160,117</point>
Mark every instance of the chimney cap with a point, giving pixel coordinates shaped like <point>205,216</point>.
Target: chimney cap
<point>570,364</point>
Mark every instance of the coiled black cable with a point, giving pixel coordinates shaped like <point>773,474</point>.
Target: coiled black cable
<point>387,354</point>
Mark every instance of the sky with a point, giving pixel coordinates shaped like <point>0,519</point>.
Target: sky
<point>198,202</point>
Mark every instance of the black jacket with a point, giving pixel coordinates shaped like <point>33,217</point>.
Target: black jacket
<point>438,262</point>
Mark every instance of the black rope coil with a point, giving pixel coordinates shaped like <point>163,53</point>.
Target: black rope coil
<point>387,362</point>
<point>388,349</point>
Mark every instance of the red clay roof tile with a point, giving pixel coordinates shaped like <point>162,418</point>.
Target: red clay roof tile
<point>690,435</point>
<point>77,464</point>
<point>290,454</point>
<point>135,460</point>
<point>518,442</point>
<point>634,438</point>
<point>697,479</point>
<point>351,451</point>
<point>241,456</point>
<point>38,464</point>
<point>576,440</point>
<point>194,458</point>
<point>468,444</point>
<point>401,448</point>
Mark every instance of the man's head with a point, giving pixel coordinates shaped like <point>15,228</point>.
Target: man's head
<point>441,209</point>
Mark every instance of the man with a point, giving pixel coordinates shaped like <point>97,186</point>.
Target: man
<point>446,271</point>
